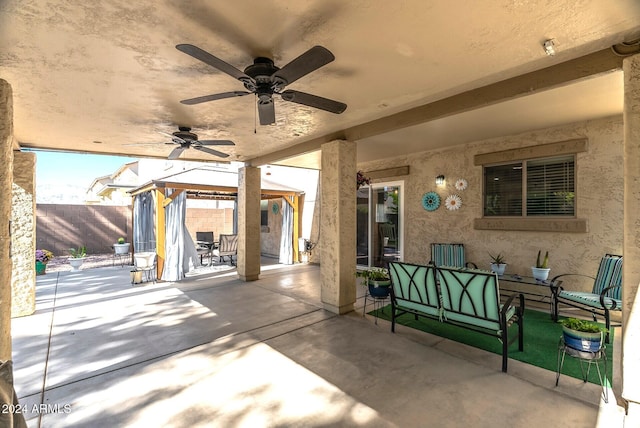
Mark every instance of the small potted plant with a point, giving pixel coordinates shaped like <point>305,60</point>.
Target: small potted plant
<point>377,279</point>
<point>582,335</point>
<point>77,257</point>
<point>42,257</point>
<point>498,264</point>
<point>121,247</point>
<point>541,270</point>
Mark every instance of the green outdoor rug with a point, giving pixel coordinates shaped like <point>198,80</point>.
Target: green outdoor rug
<point>541,337</point>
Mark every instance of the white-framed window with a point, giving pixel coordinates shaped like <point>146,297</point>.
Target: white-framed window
<point>532,188</point>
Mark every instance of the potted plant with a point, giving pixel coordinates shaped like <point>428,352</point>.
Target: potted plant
<point>541,269</point>
<point>42,257</point>
<point>377,279</point>
<point>582,335</point>
<point>498,264</point>
<point>77,257</point>
<point>121,247</point>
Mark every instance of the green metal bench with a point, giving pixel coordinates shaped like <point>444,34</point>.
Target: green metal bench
<point>468,298</point>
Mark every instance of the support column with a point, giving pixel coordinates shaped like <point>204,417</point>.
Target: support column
<point>631,266</point>
<point>23,234</point>
<point>6,180</point>
<point>249,223</point>
<point>338,226</point>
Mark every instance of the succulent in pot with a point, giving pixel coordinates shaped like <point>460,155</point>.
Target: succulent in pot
<point>541,270</point>
<point>498,263</point>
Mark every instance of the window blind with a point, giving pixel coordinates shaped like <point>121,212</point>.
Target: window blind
<point>551,186</point>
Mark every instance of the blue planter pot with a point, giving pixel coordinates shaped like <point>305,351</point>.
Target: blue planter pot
<point>379,288</point>
<point>582,341</point>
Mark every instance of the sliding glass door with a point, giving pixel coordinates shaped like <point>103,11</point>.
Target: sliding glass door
<point>379,224</point>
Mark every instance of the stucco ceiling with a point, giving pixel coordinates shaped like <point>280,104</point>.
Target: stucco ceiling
<point>105,77</point>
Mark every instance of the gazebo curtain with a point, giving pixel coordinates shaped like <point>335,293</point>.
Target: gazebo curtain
<point>174,214</point>
<point>180,250</point>
<point>144,237</point>
<point>286,240</point>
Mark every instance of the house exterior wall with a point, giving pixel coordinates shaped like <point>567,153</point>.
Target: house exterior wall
<point>270,237</point>
<point>599,195</point>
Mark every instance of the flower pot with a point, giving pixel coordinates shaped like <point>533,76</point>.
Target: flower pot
<point>379,289</point>
<point>582,341</point>
<point>541,274</point>
<point>121,248</point>
<point>144,260</point>
<point>41,268</point>
<point>76,263</point>
<point>498,268</point>
<point>136,276</point>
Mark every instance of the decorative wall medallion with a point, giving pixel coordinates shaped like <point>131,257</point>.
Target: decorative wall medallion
<point>430,201</point>
<point>275,208</point>
<point>461,184</point>
<point>453,202</point>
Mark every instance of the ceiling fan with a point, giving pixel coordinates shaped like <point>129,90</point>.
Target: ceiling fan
<point>186,139</point>
<point>264,79</point>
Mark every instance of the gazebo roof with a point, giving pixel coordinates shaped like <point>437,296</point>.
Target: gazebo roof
<point>210,183</point>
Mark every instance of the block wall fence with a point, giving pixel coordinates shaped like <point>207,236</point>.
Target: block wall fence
<point>63,226</point>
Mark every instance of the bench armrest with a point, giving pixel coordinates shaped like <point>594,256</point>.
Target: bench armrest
<point>509,302</point>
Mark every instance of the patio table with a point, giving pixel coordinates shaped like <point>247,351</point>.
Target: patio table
<point>533,289</point>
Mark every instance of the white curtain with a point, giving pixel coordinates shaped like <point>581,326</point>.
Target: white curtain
<point>286,240</point>
<point>191,257</point>
<point>144,237</point>
<point>175,214</point>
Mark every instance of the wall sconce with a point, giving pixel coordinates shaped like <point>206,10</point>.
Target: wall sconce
<point>440,180</point>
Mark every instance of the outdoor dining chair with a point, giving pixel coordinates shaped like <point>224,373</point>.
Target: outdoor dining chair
<point>605,296</point>
<point>227,247</point>
<point>205,245</point>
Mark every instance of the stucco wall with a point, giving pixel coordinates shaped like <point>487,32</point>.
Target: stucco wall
<point>599,197</point>
<point>270,236</point>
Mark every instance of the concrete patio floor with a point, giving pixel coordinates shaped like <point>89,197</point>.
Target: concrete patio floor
<point>213,351</point>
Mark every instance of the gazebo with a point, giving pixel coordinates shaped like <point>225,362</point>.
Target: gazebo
<point>159,213</point>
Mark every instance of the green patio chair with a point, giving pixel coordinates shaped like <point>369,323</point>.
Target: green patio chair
<point>605,296</point>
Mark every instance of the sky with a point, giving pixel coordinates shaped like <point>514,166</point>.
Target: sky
<point>74,169</point>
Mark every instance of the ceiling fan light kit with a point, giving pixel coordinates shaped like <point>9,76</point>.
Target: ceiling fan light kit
<point>264,79</point>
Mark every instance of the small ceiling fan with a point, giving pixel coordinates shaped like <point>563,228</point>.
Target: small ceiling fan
<point>186,139</point>
<point>264,79</point>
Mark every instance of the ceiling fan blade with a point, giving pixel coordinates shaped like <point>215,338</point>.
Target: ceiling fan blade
<point>210,151</point>
<point>207,58</point>
<point>174,139</point>
<point>266,112</point>
<point>175,153</point>
<point>206,98</point>
<point>309,61</point>
<point>216,143</point>
<point>314,101</point>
